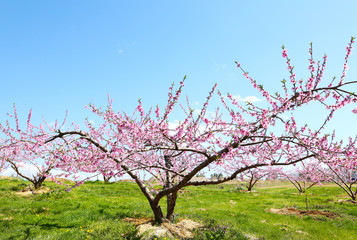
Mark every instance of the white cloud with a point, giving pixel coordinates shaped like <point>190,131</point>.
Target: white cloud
<point>120,51</point>
<point>26,169</point>
<point>220,66</point>
<point>9,172</point>
<point>251,99</point>
<point>174,125</point>
<point>285,117</point>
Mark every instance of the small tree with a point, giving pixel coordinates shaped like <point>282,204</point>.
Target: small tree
<point>343,172</point>
<point>252,176</point>
<point>106,178</point>
<point>108,174</point>
<point>306,175</point>
<point>3,165</point>
<point>27,147</point>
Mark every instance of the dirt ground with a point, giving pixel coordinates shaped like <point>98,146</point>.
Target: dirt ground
<point>301,213</point>
<point>29,190</point>
<point>182,229</point>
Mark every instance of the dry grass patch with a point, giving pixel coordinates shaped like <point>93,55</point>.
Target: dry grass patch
<point>182,229</point>
<point>301,213</point>
<point>29,190</point>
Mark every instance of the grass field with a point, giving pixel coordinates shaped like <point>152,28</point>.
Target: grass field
<point>96,211</point>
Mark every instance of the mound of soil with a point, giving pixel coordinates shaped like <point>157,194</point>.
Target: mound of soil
<point>300,213</point>
<point>182,229</point>
<point>29,190</point>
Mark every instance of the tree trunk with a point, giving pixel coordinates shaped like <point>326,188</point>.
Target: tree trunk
<point>38,182</point>
<point>159,216</point>
<point>171,203</point>
<point>171,198</point>
<point>251,184</point>
<point>106,178</point>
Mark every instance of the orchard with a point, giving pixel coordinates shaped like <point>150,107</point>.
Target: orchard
<point>236,139</point>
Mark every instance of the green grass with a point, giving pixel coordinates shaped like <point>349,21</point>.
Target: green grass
<point>95,211</point>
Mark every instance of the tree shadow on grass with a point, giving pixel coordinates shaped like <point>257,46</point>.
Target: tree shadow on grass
<point>49,226</point>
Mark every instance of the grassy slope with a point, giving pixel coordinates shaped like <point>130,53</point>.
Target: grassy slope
<point>94,211</point>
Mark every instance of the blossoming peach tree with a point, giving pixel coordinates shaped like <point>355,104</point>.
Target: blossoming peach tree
<point>3,163</point>
<point>253,175</point>
<point>235,138</point>
<point>25,150</point>
<point>342,171</point>
<point>306,175</point>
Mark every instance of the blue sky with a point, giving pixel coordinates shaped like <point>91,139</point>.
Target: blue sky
<point>61,55</point>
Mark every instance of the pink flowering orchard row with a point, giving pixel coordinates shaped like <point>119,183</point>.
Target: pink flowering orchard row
<point>343,172</point>
<point>235,139</point>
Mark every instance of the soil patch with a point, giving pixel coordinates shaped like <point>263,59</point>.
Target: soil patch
<point>29,190</point>
<point>182,229</point>
<point>346,200</point>
<point>301,213</point>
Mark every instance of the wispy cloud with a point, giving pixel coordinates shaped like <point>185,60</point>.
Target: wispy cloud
<point>174,125</point>
<point>120,51</point>
<point>285,117</point>
<point>220,66</point>
<point>26,169</point>
<point>251,99</point>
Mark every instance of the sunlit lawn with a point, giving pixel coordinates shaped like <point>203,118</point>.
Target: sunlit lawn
<point>95,211</point>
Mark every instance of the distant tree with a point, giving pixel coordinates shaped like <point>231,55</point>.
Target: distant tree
<point>107,178</point>
<point>200,175</point>
<point>3,165</point>
<point>27,147</point>
<point>306,175</point>
<point>252,176</point>
<point>216,176</point>
<point>343,172</point>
